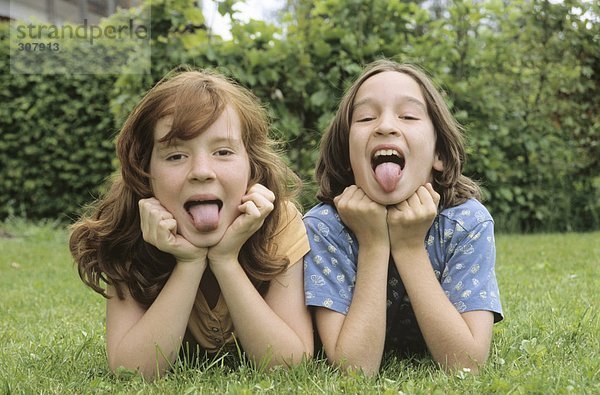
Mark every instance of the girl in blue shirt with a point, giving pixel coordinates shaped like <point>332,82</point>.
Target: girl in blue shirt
<point>402,252</point>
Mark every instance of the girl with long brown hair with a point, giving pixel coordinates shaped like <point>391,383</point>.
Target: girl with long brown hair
<point>388,270</point>
<point>198,236</point>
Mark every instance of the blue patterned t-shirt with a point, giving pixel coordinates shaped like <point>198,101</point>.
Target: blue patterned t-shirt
<point>461,248</point>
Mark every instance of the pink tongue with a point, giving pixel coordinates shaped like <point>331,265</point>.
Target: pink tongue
<point>387,175</point>
<point>205,216</point>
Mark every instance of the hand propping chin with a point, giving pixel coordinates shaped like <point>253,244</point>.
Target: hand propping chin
<point>256,205</point>
<point>414,216</point>
<point>159,228</point>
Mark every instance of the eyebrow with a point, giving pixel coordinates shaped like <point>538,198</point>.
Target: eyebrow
<point>400,98</point>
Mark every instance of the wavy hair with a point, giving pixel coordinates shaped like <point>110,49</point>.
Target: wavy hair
<point>333,170</point>
<point>107,242</point>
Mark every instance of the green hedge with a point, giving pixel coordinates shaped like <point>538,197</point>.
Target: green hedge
<point>522,77</point>
<point>55,140</point>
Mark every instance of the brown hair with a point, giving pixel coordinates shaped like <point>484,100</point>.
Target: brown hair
<point>333,172</point>
<point>107,243</point>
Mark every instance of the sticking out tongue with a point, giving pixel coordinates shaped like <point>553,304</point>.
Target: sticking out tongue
<point>387,175</point>
<point>205,216</point>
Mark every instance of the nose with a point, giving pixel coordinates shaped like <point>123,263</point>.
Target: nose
<point>388,124</point>
<point>201,169</point>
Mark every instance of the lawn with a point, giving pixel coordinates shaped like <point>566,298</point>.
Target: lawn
<point>52,330</point>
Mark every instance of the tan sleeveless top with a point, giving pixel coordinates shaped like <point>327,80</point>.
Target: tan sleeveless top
<point>213,329</point>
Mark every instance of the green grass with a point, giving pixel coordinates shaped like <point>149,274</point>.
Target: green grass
<point>52,330</point>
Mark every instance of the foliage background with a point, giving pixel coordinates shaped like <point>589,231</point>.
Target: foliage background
<point>522,76</point>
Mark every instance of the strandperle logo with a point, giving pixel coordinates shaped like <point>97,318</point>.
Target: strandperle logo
<point>83,32</point>
<point>113,46</point>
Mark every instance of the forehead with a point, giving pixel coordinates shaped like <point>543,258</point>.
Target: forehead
<point>388,85</point>
<point>226,125</point>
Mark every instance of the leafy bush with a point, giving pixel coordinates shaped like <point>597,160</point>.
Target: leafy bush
<point>521,76</point>
<point>55,140</point>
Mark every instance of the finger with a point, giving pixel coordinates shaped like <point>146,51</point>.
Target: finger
<point>362,197</point>
<point>264,205</point>
<point>260,199</point>
<point>169,224</point>
<point>250,209</point>
<point>436,196</point>
<point>345,197</point>
<point>414,200</point>
<point>149,203</point>
<point>403,206</point>
<point>425,196</point>
<point>166,231</point>
<point>154,207</point>
<point>429,197</point>
<point>262,190</point>
<point>336,200</point>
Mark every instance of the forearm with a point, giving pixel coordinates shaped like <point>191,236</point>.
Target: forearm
<point>264,335</point>
<point>151,344</point>
<point>362,336</point>
<point>447,335</point>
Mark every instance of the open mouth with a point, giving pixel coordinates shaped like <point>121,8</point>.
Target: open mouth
<point>385,156</point>
<point>190,204</point>
<point>388,164</point>
<point>204,214</point>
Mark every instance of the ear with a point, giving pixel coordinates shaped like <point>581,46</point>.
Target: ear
<point>437,163</point>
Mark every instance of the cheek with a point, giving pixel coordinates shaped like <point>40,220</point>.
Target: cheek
<point>157,188</point>
<point>355,151</point>
<point>244,174</point>
<point>160,183</point>
<point>152,180</point>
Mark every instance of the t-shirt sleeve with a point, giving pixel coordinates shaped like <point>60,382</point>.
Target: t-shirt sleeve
<point>329,267</point>
<point>290,240</point>
<point>469,280</point>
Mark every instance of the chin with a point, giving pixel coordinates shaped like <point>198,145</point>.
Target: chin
<point>206,239</point>
<point>391,199</point>
<point>384,198</point>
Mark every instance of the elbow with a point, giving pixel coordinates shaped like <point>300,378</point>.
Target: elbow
<point>470,362</point>
<point>368,367</point>
<point>120,367</point>
<point>293,359</point>
<point>304,352</point>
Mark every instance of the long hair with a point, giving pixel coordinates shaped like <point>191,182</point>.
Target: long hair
<point>107,242</point>
<point>333,171</point>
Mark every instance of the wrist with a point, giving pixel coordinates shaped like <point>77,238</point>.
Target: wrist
<point>374,248</point>
<point>373,241</point>
<point>191,267</point>
<point>409,254</point>
<point>223,264</point>
<point>196,260</point>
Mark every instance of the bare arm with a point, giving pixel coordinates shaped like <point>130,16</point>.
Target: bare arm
<point>148,340</point>
<point>454,340</point>
<point>357,339</point>
<point>278,328</point>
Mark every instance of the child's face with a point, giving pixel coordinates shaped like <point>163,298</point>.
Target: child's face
<point>201,181</point>
<point>392,139</point>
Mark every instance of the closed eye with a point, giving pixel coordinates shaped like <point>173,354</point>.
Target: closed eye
<point>409,117</point>
<point>365,119</point>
